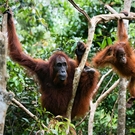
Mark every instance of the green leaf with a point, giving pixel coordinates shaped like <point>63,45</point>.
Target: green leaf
<point>2,9</point>
<point>37,12</point>
<point>104,43</point>
<point>43,21</point>
<point>109,40</point>
<point>132,130</point>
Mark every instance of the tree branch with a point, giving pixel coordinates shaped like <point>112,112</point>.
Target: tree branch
<point>28,112</point>
<point>105,94</point>
<point>95,105</point>
<point>111,9</point>
<point>103,77</point>
<point>116,16</point>
<point>80,10</point>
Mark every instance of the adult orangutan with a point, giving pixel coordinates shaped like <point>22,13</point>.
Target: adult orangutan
<point>55,76</point>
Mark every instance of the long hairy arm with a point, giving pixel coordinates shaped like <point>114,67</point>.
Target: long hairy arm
<point>122,33</point>
<point>15,48</point>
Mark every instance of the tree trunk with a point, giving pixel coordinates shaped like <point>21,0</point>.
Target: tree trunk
<point>122,88</point>
<point>5,97</point>
<point>121,107</point>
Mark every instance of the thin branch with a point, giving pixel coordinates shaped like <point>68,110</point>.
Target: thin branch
<point>103,96</point>
<point>108,83</point>
<point>25,109</point>
<point>80,10</point>
<point>82,119</point>
<point>7,4</point>
<point>103,77</point>
<point>95,105</point>
<point>101,80</point>
<point>110,9</point>
<point>28,112</point>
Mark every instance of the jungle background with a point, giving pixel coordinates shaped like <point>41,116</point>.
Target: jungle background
<point>44,26</point>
